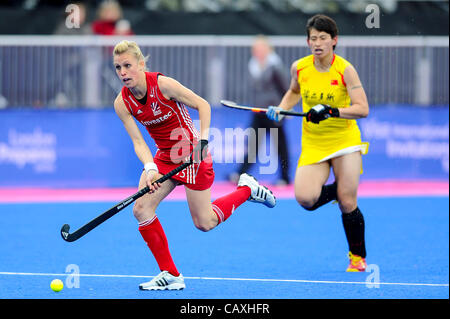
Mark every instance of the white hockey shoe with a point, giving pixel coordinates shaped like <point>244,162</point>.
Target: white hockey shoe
<point>260,194</point>
<point>164,281</point>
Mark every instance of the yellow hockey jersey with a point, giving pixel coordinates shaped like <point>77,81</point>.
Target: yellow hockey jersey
<point>332,136</point>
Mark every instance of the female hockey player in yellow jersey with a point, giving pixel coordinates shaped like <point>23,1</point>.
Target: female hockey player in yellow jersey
<point>333,98</point>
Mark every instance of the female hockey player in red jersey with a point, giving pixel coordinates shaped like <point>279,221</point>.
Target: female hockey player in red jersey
<point>160,104</point>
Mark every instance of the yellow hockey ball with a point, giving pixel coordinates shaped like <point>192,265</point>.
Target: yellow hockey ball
<point>56,285</point>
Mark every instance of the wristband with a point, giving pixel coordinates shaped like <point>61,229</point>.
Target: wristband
<point>150,166</point>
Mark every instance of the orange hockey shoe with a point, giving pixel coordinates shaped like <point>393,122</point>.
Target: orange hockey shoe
<point>357,263</point>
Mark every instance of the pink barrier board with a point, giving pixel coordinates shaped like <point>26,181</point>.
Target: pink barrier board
<point>366,189</point>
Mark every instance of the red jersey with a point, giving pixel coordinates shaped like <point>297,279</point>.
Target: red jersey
<point>167,121</point>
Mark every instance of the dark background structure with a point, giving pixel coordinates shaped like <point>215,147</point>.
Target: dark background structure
<point>236,17</point>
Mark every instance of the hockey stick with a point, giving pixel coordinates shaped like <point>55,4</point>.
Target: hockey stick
<point>114,210</point>
<point>233,105</point>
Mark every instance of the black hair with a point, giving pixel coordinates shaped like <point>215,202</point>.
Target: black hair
<point>322,23</point>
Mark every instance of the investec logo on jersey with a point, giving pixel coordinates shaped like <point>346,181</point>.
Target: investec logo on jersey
<point>158,120</point>
<point>155,108</point>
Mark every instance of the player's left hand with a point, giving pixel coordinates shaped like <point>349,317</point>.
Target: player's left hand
<point>321,112</point>
<point>200,151</point>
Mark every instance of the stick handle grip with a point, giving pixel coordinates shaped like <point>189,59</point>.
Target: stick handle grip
<point>292,113</point>
<point>146,189</point>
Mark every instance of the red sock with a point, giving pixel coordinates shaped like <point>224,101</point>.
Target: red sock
<point>153,234</point>
<point>225,205</point>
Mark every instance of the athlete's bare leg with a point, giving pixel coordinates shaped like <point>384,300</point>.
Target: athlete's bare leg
<point>207,215</point>
<point>308,182</point>
<point>201,210</point>
<point>347,170</point>
<point>145,207</point>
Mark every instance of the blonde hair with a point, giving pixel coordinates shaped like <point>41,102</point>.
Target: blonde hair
<point>132,48</point>
<point>262,39</point>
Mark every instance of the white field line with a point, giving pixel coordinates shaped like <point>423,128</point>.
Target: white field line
<point>232,279</point>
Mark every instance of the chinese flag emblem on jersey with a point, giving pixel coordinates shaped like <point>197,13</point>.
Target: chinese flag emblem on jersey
<point>334,82</point>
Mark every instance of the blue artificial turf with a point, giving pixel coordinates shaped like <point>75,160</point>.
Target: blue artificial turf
<point>258,253</point>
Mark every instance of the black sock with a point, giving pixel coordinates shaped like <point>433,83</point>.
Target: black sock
<point>328,193</point>
<point>354,230</point>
